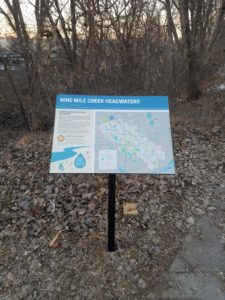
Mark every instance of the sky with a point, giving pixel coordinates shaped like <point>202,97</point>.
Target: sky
<point>28,13</point>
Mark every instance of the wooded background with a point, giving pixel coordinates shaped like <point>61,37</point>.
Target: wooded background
<point>116,47</point>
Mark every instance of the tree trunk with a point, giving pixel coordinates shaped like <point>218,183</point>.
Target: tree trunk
<point>192,89</point>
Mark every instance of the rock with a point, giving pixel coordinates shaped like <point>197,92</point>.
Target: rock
<point>35,294</point>
<point>179,224</point>
<point>199,211</point>
<point>51,207</point>
<point>211,208</point>
<point>23,188</point>
<point>151,296</point>
<point>151,232</point>
<point>206,202</point>
<point>120,269</point>
<point>215,129</point>
<point>81,212</point>
<point>128,268</point>
<point>25,290</point>
<point>91,206</point>
<point>155,241</point>
<point>87,196</point>
<point>190,221</point>
<point>142,284</point>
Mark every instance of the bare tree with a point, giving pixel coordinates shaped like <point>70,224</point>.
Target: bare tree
<point>114,47</point>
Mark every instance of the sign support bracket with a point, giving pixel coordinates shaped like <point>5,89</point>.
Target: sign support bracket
<point>111,212</point>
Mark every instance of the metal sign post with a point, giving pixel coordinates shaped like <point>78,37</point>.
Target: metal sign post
<point>111,212</point>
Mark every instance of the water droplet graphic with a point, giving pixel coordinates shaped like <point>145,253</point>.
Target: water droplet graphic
<point>80,161</point>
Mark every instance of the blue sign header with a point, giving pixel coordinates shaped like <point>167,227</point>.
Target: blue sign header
<point>112,102</point>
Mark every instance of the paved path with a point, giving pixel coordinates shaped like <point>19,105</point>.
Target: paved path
<point>198,271</point>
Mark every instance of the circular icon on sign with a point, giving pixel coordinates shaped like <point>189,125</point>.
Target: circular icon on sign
<point>60,138</point>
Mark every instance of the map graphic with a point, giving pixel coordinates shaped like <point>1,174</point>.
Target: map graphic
<point>135,140</point>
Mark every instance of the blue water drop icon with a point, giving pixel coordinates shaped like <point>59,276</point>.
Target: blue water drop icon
<point>80,161</point>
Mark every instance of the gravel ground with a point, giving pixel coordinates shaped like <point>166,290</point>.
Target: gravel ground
<point>53,228</point>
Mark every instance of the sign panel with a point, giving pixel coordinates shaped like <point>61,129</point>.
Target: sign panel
<point>112,134</point>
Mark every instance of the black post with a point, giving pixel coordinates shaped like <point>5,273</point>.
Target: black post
<point>111,212</point>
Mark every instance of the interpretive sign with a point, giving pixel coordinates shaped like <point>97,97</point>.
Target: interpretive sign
<point>112,134</point>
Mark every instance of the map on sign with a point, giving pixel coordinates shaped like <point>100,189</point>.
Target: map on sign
<point>105,134</point>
